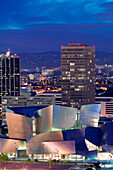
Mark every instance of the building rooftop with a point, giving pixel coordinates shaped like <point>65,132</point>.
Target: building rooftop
<point>77,44</point>
<point>26,111</point>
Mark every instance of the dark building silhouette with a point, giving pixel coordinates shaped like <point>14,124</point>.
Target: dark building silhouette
<point>9,76</point>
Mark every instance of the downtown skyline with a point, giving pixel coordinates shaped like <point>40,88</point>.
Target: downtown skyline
<point>45,25</point>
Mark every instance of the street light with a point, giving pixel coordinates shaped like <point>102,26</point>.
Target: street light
<point>15,150</point>
<point>56,151</point>
<point>43,152</point>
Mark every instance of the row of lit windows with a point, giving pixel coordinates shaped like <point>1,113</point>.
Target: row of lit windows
<point>74,78</point>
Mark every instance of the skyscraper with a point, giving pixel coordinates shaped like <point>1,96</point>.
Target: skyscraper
<point>78,74</point>
<point>9,75</point>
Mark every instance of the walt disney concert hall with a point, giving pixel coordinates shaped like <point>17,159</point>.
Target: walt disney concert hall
<point>56,129</point>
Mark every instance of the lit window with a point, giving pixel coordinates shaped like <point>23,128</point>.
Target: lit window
<point>30,98</point>
<point>16,98</point>
<point>80,86</point>
<point>72,64</point>
<point>88,72</point>
<point>72,103</point>
<point>77,89</point>
<point>90,80</point>
<point>67,72</point>
<point>63,102</point>
<point>72,69</point>
<point>81,78</point>
<point>90,61</point>
<point>82,69</point>
<point>72,86</point>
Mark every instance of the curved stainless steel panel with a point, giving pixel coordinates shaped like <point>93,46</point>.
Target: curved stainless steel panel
<point>89,114</point>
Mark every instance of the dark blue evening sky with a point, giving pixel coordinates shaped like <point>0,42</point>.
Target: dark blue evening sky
<point>45,25</point>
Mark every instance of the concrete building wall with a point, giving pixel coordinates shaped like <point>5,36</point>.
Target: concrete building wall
<point>106,106</point>
<point>19,101</point>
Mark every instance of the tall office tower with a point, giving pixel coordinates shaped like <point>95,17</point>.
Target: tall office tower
<point>9,76</point>
<point>78,74</point>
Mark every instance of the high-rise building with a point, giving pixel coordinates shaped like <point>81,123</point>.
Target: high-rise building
<point>78,74</point>
<point>9,76</point>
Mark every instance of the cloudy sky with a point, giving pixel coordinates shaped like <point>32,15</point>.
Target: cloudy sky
<point>45,25</point>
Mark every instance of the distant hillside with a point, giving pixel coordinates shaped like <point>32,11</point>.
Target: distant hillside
<point>33,60</point>
<point>102,58</point>
<point>53,59</point>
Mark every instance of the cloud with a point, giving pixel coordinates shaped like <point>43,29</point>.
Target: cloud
<point>23,13</point>
<point>108,16</point>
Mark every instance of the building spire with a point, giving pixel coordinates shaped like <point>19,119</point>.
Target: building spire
<point>8,53</point>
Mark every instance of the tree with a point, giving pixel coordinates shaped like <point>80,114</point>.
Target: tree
<point>3,157</point>
<point>14,155</point>
<point>63,156</point>
<point>22,155</point>
<point>32,156</point>
<point>85,158</point>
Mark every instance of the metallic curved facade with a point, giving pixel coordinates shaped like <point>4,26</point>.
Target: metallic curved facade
<point>107,134</point>
<point>63,142</point>
<point>64,117</point>
<point>89,114</point>
<point>35,144</point>
<point>45,119</point>
<point>93,135</point>
<point>56,117</point>
<point>77,135</point>
<point>61,147</point>
<point>19,127</point>
<point>10,145</point>
<point>100,136</point>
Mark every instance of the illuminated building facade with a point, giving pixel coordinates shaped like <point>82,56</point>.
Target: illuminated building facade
<point>78,74</point>
<point>54,137</point>
<point>49,130</point>
<point>9,75</point>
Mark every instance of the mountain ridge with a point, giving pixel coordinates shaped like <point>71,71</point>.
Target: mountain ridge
<point>52,59</point>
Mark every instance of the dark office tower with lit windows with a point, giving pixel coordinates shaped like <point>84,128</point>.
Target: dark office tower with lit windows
<point>9,75</point>
<point>78,74</point>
